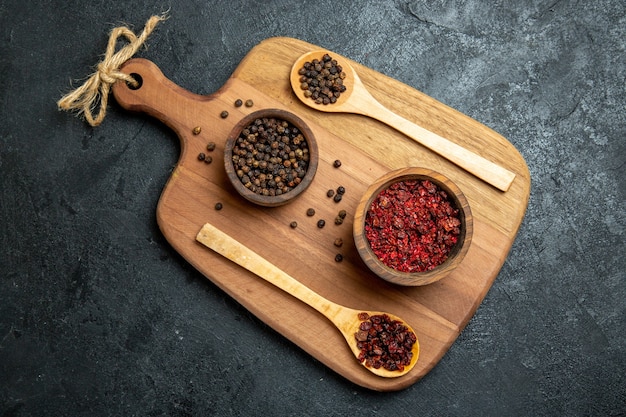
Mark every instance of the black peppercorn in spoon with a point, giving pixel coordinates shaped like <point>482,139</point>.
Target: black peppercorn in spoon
<point>356,99</point>
<point>346,320</point>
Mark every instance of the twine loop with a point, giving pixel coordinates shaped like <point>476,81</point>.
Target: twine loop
<point>94,92</point>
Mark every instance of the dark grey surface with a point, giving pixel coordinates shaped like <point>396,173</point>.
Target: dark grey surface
<point>100,316</point>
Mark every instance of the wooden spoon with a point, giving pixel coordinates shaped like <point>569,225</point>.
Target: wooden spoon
<point>356,99</point>
<point>345,319</point>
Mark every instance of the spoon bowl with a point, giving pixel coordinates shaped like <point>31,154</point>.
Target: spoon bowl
<point>357,99</point>
<point>345,319</point>
<point>343,103</point>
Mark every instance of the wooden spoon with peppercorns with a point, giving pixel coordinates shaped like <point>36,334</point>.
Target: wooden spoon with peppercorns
<point>354,325</point>
<point>346,93</point>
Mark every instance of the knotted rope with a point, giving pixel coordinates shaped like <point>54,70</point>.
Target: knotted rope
<point>95,91</point>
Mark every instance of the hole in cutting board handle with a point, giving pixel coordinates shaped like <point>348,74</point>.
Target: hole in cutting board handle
<point>137,78</point>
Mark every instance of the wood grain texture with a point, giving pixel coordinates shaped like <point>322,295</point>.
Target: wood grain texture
<point>368,150</point>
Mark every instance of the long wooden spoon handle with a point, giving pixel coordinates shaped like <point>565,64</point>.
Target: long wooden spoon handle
<point>245,257</point>
<point>491,173</point>
<point>345,319</point>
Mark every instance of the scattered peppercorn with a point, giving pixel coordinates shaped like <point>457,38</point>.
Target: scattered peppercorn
<point>208,159</point>
<point>270,156</point>
<point>224,114</point>
<point>201,156</point>
<point>338,242</point>
<point>238,102</point>
<point>310,212</point>
<point>321,223</point>
<point>330,193</point>
<point>322,80</point>
<point>412,226</point>
<point>249,103</point>
<point>338,220</point>
<point>341,190</point>
<point>384,342</point>
<point>197,130</point>
<point>338,257</point>
<point>210,146</point>
<point>337,198</point>
<point>337,163</point>
<point>342,214</point>
<point>218,206</point>
<point>293,224</point>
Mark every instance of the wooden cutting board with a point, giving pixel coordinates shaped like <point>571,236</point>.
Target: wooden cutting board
<point>367,150</point>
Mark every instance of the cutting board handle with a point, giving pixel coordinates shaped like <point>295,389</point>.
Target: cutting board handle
<point>157,96</point>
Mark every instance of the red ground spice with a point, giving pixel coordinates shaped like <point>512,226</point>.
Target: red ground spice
<point>412,226</point>
<point>384,342</point>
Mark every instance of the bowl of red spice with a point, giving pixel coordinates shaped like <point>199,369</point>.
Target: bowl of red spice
<point>271,157</point>
<point>413,226</point>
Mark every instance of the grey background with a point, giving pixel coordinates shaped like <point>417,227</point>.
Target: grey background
<point>100,316</point>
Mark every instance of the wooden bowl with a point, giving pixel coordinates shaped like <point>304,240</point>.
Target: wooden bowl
<point>231,169</point>
<point>456,253</point>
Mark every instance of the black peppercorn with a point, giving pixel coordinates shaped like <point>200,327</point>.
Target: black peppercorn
<point>338,242</point>
<point>330,193</point>
<point>337,198</point>
<point>310,212</point>
<point>224,114</point>
<point>273,154</point>
<point>249,103</point>
<point>337,163</point>
<point>341,190</point>
<point>321,223</point>
<point>238,102</point>
<point>338,257</point>
<point>208,159</point>
<point>293,224</point>
<point>201,156</point>
<point>322,80</point>
<point>342,214</point>
<point>218,206</point>
<point>210,146</point>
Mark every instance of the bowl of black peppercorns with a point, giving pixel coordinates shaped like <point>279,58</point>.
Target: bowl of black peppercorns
<point>271,157</point>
